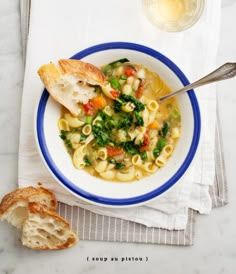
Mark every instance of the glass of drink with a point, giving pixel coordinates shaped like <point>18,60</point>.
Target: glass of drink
<point>173,15</point>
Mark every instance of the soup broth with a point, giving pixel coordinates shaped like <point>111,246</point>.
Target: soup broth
<point>123,133</point>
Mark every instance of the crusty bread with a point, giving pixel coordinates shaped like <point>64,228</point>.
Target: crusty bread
<point>85,71</point>
<point>14,206</point>
<point>45,229</point>
<point>70,82</point>
<point>34,211</point>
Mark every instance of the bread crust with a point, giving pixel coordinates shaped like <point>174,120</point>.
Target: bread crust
<point>26,193</point>
<point>39,218</point>
<point>49,73</point>
<point>85,71</point>
<point>63,82</point>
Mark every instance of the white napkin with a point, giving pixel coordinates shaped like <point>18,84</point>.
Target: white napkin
<point>59,29</point>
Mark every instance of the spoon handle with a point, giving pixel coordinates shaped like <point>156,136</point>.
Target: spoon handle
<point>224,72</point>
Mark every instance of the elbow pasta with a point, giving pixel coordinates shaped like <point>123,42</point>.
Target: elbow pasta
<point>146,117</point>
<point>78,157</point>
<point>102,153</point>
<point>108,175</point>
<point>153,142</point>
<point>167,151</point>
<point>63,125</point>
<point>101,166</point>
<point>136,160</point>
<point>87,129</point>
<point>73,121</point>
<point>152,105</point>
<point>149,167</point>
<point>128,107</point>
<point>74,139</point>
<point>127,176</point>
<point>108,110</point>
<point>123,133</point>
<point>89,139</point>
<point>160,161</point>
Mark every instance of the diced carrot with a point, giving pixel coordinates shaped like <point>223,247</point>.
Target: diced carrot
<point>113,151</point>
<point>99,102</point>
<point>139,93</point>
<point>115,94</point>
<point>129,71</point>
<point>154,125</point>
<point>145,144</point>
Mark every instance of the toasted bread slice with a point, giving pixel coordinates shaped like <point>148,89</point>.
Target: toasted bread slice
<point>85,71</point>
<point>45,229</point>
<point>71,82</point>
<point>14,206</point>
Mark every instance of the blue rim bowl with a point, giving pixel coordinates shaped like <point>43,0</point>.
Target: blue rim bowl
<point>120,202</point>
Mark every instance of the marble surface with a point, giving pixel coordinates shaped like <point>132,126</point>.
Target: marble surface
<point>214,250</point>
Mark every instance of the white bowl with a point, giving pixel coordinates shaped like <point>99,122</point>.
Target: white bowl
<point>110,194</point>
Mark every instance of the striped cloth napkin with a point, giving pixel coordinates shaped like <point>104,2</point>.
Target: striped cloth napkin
<point>93,226</point>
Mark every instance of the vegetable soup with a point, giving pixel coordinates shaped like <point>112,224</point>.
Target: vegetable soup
<point>123,134</point>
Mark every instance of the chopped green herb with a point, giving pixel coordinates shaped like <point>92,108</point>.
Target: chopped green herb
<point>111,161</point>
<point>131,148</point>
<point>129,98</point>
<point>103,115</point>
<point>118,165</point>
<point>101,135</point>
<point>107,121</point>
<point>63,134</point>
<point>119,62</point>
<point>117,106</point>
<point>156,152</point>
<point>82,138</point>
<point>125,121</point>
<point>123,99</point>
<point>87,161</point>
<point>143,155</point>
<point>68,143</point>
<point>110,124</point>
<point>139,119</point>
<point>163,132</point>
<point>160,145</point>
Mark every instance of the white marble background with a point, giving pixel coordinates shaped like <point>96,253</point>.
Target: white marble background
<point>214,250</point>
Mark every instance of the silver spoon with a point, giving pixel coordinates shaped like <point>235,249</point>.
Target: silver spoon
<point>224,72</point>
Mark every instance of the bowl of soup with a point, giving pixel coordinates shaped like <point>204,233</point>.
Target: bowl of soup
<point>124,148</point>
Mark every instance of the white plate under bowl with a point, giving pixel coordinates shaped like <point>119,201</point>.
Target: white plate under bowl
<point>112,194</point>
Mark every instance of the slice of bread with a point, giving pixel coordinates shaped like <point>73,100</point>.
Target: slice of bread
<point>34,211</point>
<point>71,82</point>
<point>14,206</point>
<point>45,229</point>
